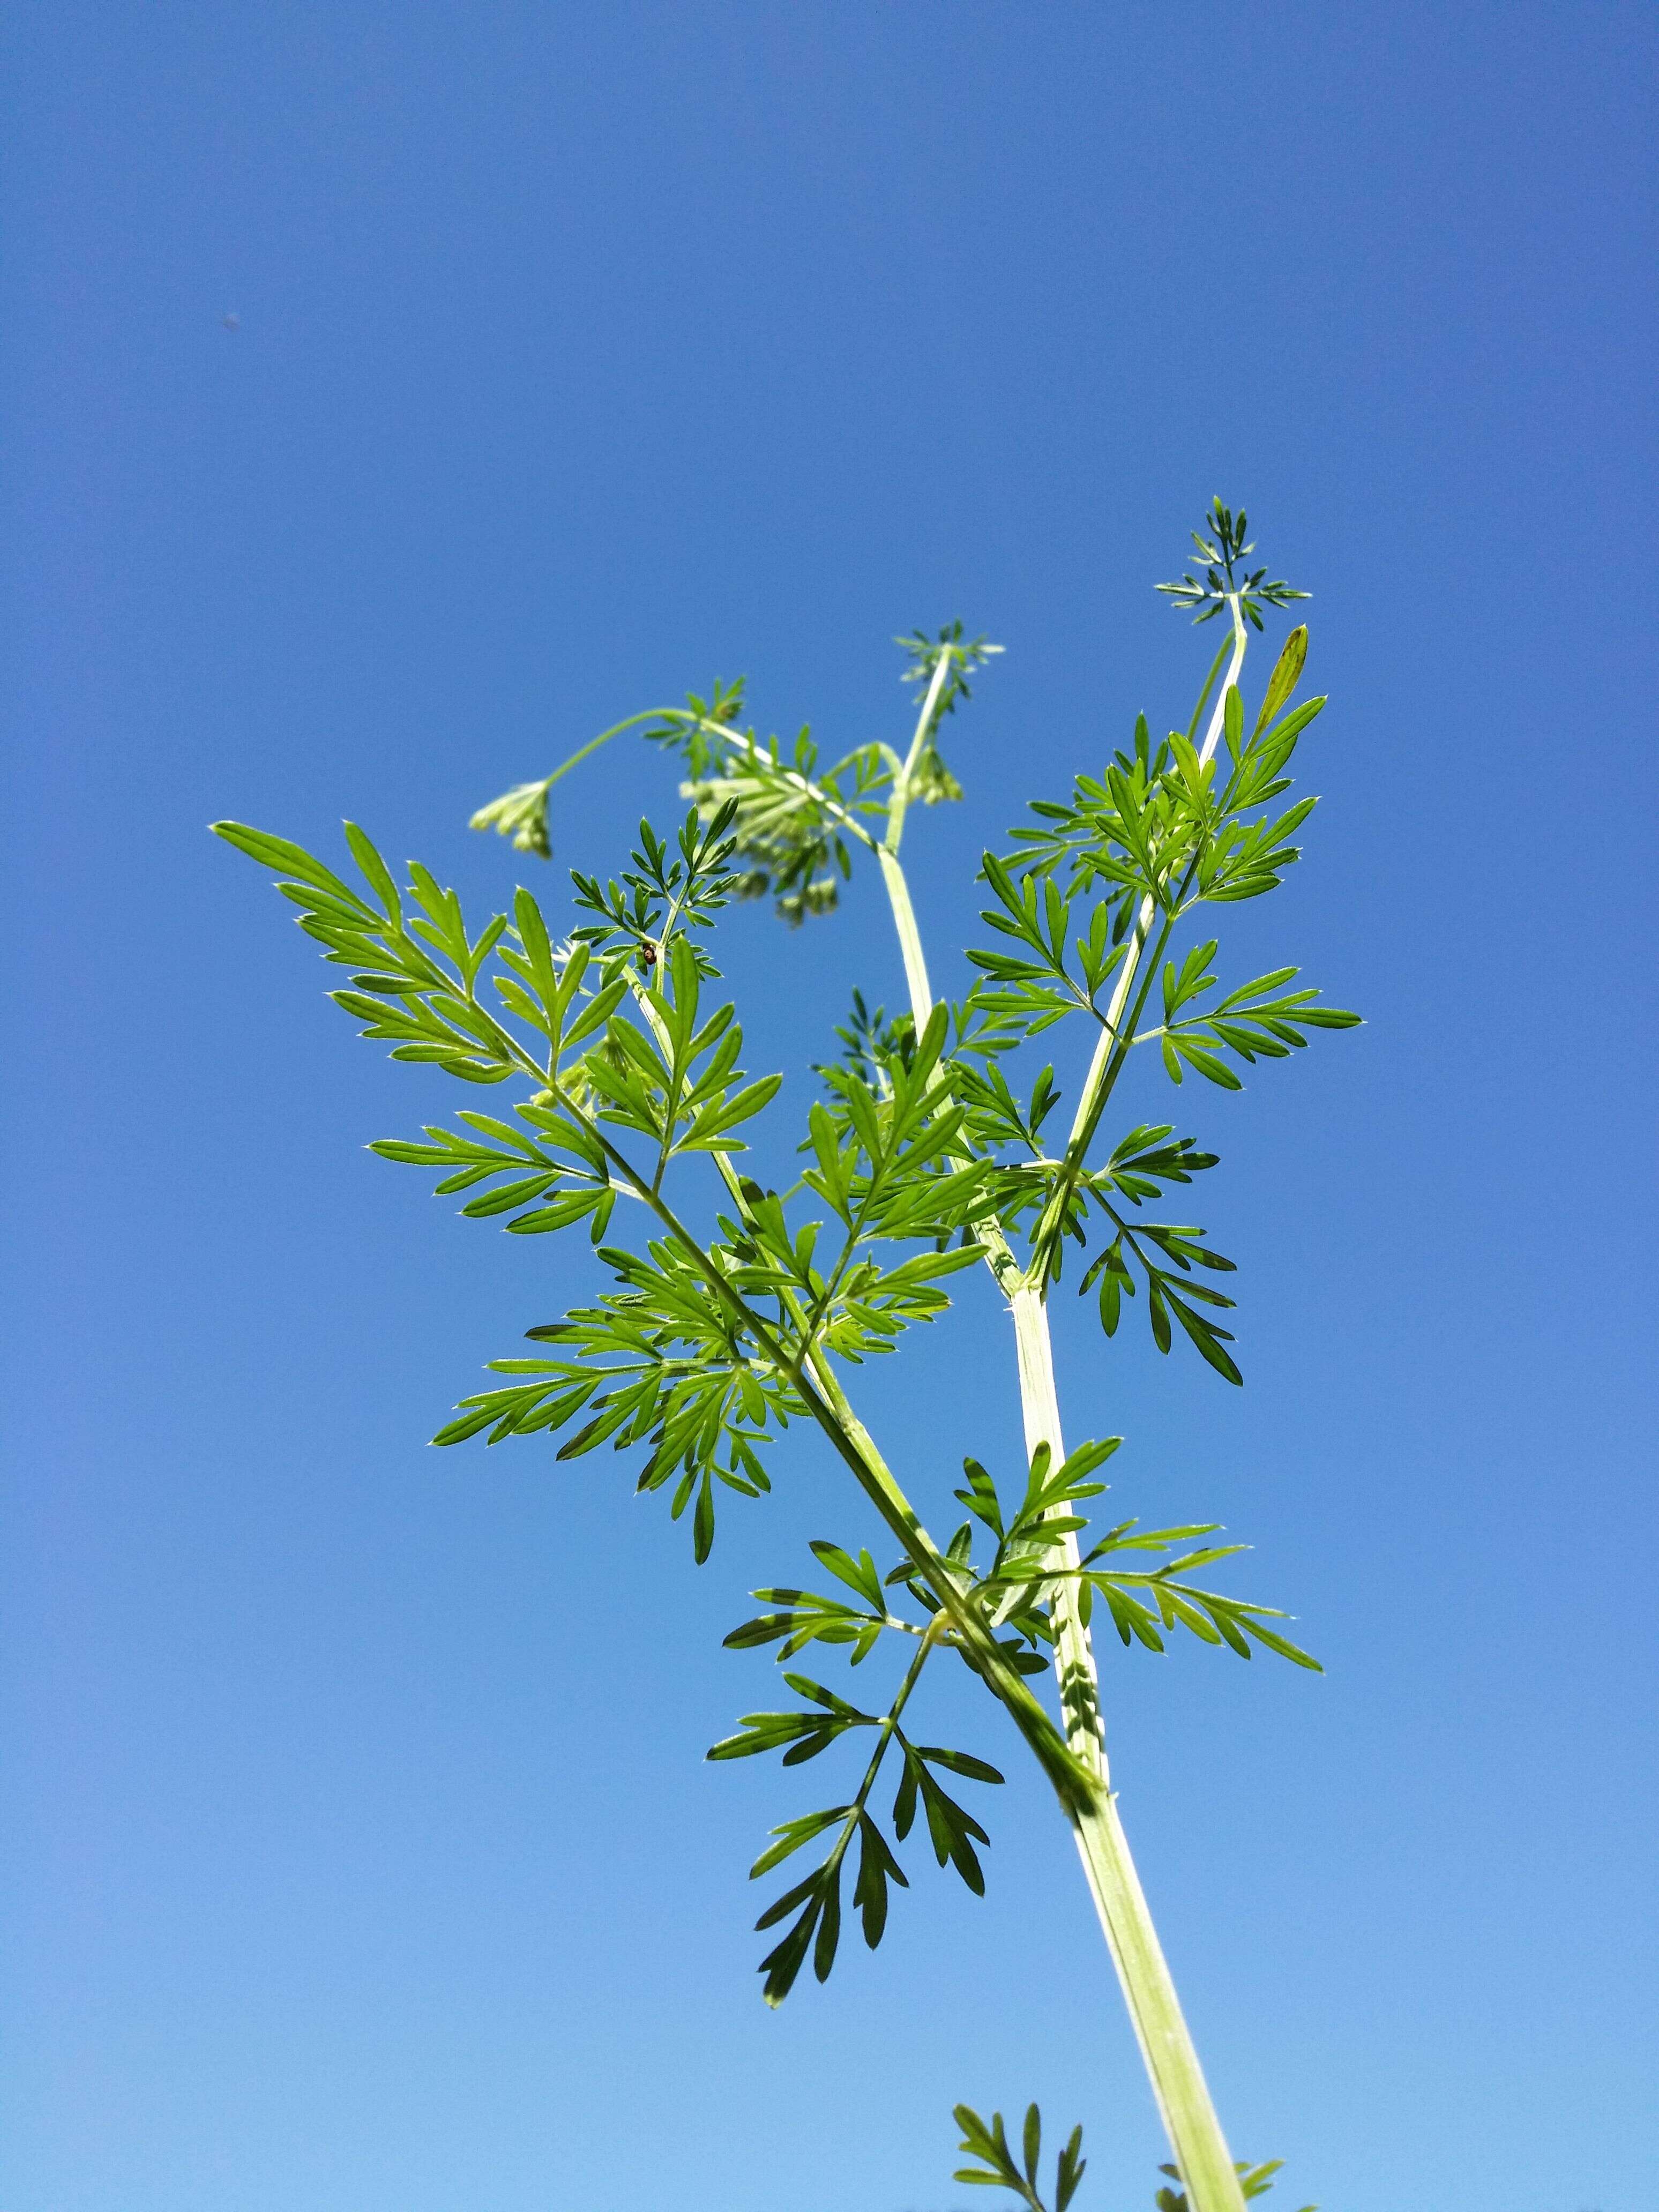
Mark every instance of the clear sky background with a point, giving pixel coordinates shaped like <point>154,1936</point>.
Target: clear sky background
<point>359,1856</point>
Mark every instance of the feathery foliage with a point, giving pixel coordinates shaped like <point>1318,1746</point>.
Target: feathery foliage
<point>726,1311</point>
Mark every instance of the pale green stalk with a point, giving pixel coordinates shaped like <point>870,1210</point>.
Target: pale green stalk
<point>925,721</point>
<point>910,937</point>
<point>1095,1088</point>
<point>514,805</point>
<point>1166,2044</point>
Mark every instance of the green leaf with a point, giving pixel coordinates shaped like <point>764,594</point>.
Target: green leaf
<point>1287,673</point>
<point>1157,1313</point>
<point>708,1131</point>
<point>574,1206</point>
<point>375,869</point>
<point>1073,2167</point>
<point>1080,1464</point>
<point>877,1867</point>
<point>291,859</point>
<point>793,1834</point>
<point>860,1575</point>
<point>959,1762</point>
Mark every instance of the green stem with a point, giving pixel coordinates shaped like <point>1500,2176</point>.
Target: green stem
<point>651,714</point>
<point>1111,1050</point>
<point>898,891</point>
<point>1074,1783</point>
<point>888,1730</point>
<point>1241,641</point>
<point>910,938</point>
<point>828,1405</point>
<point>1228,646</point>
<point>925,719</point>
<point>1112,1044</point>
<point>1166,2045</point>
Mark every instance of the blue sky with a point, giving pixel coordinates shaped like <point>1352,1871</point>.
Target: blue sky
<point>360,1855</point>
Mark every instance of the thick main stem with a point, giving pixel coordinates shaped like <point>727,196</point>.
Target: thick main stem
<point>910,938</point>
<point>1166,2044</point>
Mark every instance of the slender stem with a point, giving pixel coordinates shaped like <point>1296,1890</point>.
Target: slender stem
<point>1111,1050</point>
<point>1111,1045</point>
<point>1240,641</point>
<point>593,746</point>
<point>1209,686</point>
<point>1073,1782</point>
<point>827,1403</point>
<point>999,1257</point>
<point>898,891</point>
<point>1074,1663</point>
<point>1108,1036</point>
<point>1166,2044</point>
<point>888,1730</point>
<point>651,714</point>
<point>925,721</point>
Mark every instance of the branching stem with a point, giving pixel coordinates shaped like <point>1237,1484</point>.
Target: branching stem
<point>828,1404</point>
<point>1166,2044</point>
<point>886,1730</point>
<point>1111,1047</point>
